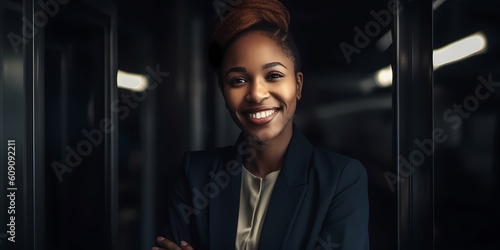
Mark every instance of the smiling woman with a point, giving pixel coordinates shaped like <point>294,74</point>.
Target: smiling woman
<point>260,87</point>
<point>272,189</point>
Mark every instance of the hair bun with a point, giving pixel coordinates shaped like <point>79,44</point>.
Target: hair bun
<point>248,13</point>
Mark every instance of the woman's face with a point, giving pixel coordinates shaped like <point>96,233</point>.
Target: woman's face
<point>260,86</point>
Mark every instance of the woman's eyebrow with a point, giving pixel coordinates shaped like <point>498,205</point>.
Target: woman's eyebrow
<point>236,69</point>
<point>265,66</point>
<point>273,64</point>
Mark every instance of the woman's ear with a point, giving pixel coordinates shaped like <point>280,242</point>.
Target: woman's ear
<point>299,78</point>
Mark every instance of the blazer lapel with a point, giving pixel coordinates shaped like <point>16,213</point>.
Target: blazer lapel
<point>224,205</point>
<point>288,193</point>
<point>285,200</point>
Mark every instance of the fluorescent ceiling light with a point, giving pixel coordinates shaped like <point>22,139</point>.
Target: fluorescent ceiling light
<point>383,77</point>
<point>459,50</point>
<point>130,81</point>
<point>451,53</point>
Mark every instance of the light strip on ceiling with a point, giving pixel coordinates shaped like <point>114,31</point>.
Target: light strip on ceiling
<point>451,53</point>
<point>130,81</point>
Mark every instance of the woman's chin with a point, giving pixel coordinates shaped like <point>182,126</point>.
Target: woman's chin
<point>263,135</point>
<point>263,138</point>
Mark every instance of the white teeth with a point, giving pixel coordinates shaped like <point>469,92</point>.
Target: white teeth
<point>262,114</point>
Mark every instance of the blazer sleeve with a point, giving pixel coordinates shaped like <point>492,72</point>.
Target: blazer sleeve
<point>181,211</point>
<point>346,223</point>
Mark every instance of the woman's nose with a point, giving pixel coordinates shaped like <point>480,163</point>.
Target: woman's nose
<point>257,91</point>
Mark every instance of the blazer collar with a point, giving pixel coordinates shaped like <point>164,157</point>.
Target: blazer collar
<point>295,165</point>
<point>287,195</point>
<point>297,156</point>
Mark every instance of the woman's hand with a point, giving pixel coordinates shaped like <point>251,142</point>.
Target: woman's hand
<point>169,245</point>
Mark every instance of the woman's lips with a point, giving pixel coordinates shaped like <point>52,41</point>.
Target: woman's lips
<point>261,117</point>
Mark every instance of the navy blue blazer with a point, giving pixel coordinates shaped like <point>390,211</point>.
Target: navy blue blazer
<point>319,201</point>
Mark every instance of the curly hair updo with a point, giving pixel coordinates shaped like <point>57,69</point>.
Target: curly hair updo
<point>268,16</point>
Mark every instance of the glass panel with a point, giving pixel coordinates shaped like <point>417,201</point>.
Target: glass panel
<point>76,130</point>
<point>466,107</point>
<point>13,139</point>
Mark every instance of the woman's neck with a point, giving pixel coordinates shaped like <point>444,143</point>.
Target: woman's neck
<point>268,156</point>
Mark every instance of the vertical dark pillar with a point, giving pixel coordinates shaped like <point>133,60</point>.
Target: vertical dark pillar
<point>413,97</point>
<point>35,115</point>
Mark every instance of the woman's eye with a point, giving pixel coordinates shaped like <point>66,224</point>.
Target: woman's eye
<point>237,80</point>
<point>274,75</point>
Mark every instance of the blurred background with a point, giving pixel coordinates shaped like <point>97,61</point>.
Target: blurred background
<point>107,95</point>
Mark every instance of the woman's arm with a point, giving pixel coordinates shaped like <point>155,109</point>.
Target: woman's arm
<point>180,210</point>
<point>169,245</point>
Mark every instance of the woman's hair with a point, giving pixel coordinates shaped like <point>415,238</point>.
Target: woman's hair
<point>268,16</point>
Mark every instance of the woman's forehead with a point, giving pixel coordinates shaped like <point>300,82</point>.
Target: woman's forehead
<point>254,49</point>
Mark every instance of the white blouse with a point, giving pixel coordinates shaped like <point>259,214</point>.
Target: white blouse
<point>255,194</point>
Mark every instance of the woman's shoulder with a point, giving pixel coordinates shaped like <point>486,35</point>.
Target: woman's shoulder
<point>205,160</point>
<point>333,163</point>
<point>333,172</point>
<point>206,154</point>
